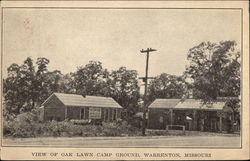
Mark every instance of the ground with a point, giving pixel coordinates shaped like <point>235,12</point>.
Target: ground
<point>139,141</point>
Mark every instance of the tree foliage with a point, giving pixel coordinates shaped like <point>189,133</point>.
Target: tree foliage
<point>167,86</point>
<point>121,84</point>
<point>214,70</point>
<point>124,88</point>
<point>28,85</point>
<point>91,79</point>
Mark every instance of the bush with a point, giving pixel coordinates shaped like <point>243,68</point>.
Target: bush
<point>28,125</point>
<point>135,121</point>
<point>24,125</point>
<point>8,128</point>
<point>120,129</point>
<point>80,122</point>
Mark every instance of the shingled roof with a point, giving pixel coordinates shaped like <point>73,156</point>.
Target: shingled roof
<point>164,103</point>
<point>187,104</point>
<point>96,101</point>
<point>198,104</point>
<point>80,101</point>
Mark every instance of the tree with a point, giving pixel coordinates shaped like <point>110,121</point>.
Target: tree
<point>19,88</point>
<point>40,86</point>
<point>214,70</point>
<point>12,89</point>
<point>120,84</point>
<point>124,89</point>
<point>25,87</point>
<point>166,86</point>
<point>91,79</point>
<point>67,83</point>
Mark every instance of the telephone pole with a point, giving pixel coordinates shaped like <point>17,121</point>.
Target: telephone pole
<point>145,80</point>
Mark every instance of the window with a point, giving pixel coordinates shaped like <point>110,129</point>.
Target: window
<point>82,113</point>
<point>106,114</point>
<point>114,114</point>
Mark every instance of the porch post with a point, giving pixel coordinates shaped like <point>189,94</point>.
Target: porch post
<point>220,122</point>
<point>215,126</point>
<point>66,113</point>
<point>202,124</point>
<point>108,114</point>
<point>116,114</point>
<point>233,126</point>
<point>112,114</point>
<point>104,114</point>
<point>171,116</point>
<point>219,113</point>
<point>194,120</point>
<point>202,120</point>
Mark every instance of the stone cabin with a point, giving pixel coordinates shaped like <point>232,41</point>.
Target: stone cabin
<point>191,113</point>
<point>60,106</point>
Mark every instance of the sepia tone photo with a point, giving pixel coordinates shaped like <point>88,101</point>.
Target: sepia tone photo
<point>122,77</point>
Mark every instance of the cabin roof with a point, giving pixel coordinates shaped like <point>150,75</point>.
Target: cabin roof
<point>164,103</point>
<point>97,101</point>
<point>198,104</point>
<point>187,104</point>
<point>80,101</point>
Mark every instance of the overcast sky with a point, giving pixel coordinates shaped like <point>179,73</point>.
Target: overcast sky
<point>71,38</point>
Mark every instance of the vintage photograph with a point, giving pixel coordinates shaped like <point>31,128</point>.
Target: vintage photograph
<point>113,77</point>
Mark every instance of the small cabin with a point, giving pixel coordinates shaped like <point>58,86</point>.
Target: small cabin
<point>191,113</point>
<point>61,106</point>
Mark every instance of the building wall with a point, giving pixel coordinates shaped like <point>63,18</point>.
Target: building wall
<point>158,118</point>
<point>107,114</point>
<point>54,110</point>
<point>118,113</point>
<point>200,120</point>
<point>73,113</point>
<point>111,114</point>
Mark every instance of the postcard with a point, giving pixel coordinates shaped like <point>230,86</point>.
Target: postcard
<point>124,80</point>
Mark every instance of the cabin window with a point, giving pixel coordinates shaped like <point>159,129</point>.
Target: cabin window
<point>106,114</point>
<point>114,114</point>
<point>110,114</point>
<point>82,113</point>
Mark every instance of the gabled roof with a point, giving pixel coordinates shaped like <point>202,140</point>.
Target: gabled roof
<point>67,99</point>
<point>80,101</point>
<point>164,103</point>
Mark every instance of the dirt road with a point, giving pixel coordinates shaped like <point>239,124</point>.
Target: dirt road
<point>155,141</point>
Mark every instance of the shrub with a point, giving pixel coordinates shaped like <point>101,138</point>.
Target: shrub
<point>28,125</point>
<point>120,129</point>
<point>24,125</point>
<point>8,128</point>
<point>111,129</point>
<point>80,122</point>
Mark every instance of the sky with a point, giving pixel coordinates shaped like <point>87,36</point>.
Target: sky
<point>70,38</point>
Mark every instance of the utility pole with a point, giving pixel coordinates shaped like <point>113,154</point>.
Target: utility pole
<point>145,79</point>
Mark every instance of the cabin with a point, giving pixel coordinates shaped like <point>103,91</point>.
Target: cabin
<point>61,106</point>
<point>191,113</point>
